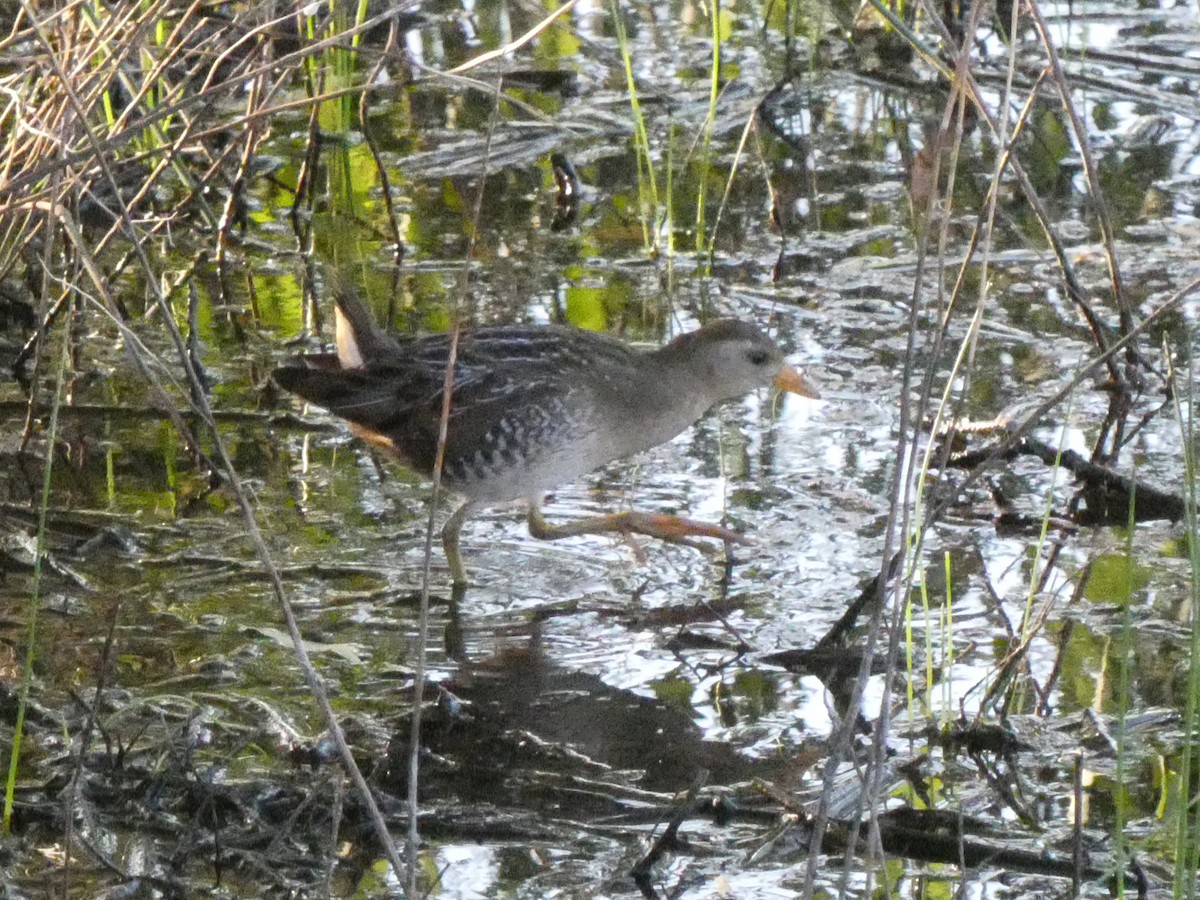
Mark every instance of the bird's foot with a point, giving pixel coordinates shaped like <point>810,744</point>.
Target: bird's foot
<point>677,530</point>
<point>672,529</point>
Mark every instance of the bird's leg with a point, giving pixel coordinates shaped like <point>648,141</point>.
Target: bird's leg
<point>450,533</point>
<point>673,529</point>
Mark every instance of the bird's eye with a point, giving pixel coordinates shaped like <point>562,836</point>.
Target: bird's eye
<point>758,357</point>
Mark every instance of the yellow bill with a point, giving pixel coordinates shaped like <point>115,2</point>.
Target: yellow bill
<point>793,382</point>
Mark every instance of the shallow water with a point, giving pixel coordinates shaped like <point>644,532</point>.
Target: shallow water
<point>580,685</point>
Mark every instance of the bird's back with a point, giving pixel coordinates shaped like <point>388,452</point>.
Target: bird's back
<point>522,406</point>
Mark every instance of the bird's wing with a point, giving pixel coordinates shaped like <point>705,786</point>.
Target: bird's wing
<point>400,407</point>
<point>513,387</point>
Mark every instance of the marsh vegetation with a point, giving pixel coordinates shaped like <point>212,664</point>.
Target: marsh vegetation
<point>958,656</point>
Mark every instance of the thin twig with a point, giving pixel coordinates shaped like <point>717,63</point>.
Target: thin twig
<point>414,749</point>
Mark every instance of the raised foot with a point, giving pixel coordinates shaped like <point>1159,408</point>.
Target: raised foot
<point>673,529</point>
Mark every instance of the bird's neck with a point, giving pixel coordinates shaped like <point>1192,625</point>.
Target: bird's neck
<point>670,394</point>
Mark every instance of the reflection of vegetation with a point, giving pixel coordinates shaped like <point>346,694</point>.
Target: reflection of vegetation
<point>1115,578</point>
<point>647,177</point>
<point>350,169</point>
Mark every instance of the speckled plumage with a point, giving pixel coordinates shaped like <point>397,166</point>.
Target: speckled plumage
<point>532,407</point>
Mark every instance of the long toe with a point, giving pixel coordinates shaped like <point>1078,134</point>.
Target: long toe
<point>678,530</point>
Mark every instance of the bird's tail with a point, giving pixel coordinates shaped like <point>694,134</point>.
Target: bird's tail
<point>359,338</point>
